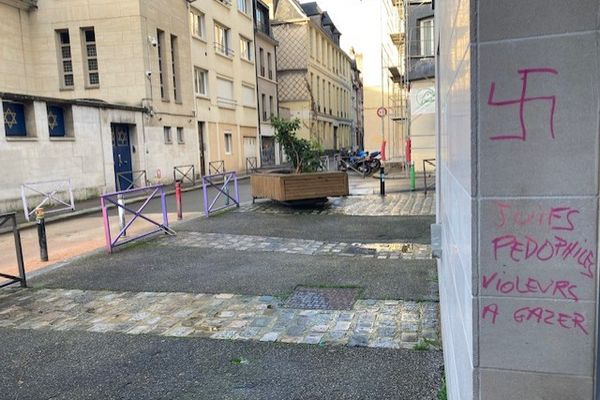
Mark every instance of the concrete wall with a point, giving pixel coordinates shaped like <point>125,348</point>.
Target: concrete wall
<point>85,158</point>
<point>518,197</point>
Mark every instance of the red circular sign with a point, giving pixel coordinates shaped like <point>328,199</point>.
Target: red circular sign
<point>381,112</point>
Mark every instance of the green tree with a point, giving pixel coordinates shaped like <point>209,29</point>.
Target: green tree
<point>304,155</point>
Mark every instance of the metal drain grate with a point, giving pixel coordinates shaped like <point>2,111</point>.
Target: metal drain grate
<point>323,298</point>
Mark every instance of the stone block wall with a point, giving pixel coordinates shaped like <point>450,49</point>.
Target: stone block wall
<point>518,136</point>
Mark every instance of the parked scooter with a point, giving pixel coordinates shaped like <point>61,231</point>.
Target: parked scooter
<point>374,161</point>
<point>357,161</point>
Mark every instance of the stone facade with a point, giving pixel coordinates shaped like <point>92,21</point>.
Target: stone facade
<point>314,74</point>
<point>518,198</point>
<point>223,49</point>
<point>59,52</point>
<point>266,77</point>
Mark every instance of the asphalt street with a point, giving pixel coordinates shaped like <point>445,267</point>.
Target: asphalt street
<point>81,365</point>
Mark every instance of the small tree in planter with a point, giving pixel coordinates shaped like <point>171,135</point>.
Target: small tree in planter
<point>306,184</point>
<point>304,154</point>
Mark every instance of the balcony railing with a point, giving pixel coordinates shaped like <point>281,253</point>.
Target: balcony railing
<point>225,2</point>
<point>221,49</point>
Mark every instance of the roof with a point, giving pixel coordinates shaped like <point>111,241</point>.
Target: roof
<point>311,8</point>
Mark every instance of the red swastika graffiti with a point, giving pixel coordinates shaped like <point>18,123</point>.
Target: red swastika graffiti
<point>521,103</point>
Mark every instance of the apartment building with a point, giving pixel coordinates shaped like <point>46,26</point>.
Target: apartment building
<point>225,87</point>
<point>266,79</point>
<point>421,79</point>
<point>383,66</point>
<point>357,105</point>
<point>314,73</point>
<point>93,91</point>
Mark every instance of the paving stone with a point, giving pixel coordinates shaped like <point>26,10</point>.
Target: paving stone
<point>270,337</point>
<point>410,251</point>
<point>313,339</point>
<point>358,341</point>
<point>375,323</point>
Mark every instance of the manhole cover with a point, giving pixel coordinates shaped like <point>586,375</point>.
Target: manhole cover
<point>360,250</point>
<point>323,298</point>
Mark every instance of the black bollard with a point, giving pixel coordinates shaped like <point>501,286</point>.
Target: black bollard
<point>382,181</point>
<point>41,228</point>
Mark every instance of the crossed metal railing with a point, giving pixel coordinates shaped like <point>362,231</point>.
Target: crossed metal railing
<point>345,164</point>
<point>210,181</point>
<point>185,173</point>
<point>216,167</point>
<point>325,163</point>
<point>49,196</point>
<point>138,179</point>
<point>431,185</point>
<point>113,198</point>
<point>251,164</point>
<point>12,279</point>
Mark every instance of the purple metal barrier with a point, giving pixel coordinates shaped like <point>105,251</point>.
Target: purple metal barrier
<point>113,198</point>
<point>209,181</point>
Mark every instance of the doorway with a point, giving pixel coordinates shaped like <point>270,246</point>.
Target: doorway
<point>121,147</point>
<point>202,146</point>
<point>249,148</point>
<point>335,142</point>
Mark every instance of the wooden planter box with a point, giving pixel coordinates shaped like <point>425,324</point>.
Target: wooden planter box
<point>290,187</point>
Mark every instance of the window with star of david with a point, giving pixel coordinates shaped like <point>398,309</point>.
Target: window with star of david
<point>14,119</point>
<point>56,121</point>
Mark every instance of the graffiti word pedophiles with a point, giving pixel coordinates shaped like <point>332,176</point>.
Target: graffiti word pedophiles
<point>520,248</point>
<point>556,218</point>
<point>558,288</point>
<point>541,316</point>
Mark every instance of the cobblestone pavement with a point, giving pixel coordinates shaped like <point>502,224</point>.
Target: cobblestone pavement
<point>370,323</point>
<point>399,204</point>
<point>403,251</point>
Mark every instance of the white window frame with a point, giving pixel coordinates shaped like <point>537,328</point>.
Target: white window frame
<point>223,39</point>
<point>198,24</point>
<point>167,135</point>
<point>427,45</point>
<point>243,6</point>
<point>246,47</point>
<point>180,135</point>
<point>65,64</point>
<point>228,138</point>
<point>88,72</point>
<point>200,75</point>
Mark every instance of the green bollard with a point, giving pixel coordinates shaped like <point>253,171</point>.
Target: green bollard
<point>412,176</point>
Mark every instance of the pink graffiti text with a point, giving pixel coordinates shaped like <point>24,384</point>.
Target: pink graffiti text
<point>556,218</point>
<point>528,285</point>
<point>520,248</point>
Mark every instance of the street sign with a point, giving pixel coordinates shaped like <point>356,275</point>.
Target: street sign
<point>381,112</point>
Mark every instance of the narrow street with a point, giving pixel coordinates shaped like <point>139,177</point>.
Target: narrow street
<point>260,302</point>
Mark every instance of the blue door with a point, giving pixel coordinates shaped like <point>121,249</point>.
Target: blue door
<point>122,157</point>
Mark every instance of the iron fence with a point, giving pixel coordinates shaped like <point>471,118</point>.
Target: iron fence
<point>50,191</point>
<point>185,173</point>
<point>138,180</point>
<point>431,173</point>
<point>12,279</point>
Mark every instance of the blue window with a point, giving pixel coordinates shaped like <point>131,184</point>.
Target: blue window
<point>14,119</point>
<point>56,121</point>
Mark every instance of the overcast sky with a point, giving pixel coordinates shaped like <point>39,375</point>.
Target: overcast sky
<point>359,23</point>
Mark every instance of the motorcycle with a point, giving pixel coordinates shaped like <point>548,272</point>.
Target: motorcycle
<point>356,161</point>
<point>374,161</point>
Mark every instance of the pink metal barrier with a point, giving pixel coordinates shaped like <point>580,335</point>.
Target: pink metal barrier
<point>151,193</point>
